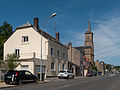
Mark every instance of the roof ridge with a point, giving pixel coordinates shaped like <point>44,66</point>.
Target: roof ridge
<point>26,24</point>
<point>48,36</point>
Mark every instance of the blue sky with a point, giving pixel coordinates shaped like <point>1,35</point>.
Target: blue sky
<point>71,21</point>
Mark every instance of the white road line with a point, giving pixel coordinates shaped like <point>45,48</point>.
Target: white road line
<point>84,81</point>
<point>62,87</point>
<point>70,85</point>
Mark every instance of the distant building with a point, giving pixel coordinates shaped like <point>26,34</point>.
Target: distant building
<point>100,66</point>
<point>75,60</point>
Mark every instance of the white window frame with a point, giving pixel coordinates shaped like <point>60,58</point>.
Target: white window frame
<point>17,52</point>
<point>25,39</point>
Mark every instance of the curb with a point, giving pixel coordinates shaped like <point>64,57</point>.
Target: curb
<point>7,87</point>
<point>25,84</point>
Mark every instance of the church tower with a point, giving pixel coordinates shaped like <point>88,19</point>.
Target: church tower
<point>89,45</point>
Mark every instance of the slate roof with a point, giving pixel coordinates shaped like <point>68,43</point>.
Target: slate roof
<point>80,48</point>
<point>44,34</point>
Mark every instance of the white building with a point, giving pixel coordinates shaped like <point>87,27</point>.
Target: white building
<point>26,43</point>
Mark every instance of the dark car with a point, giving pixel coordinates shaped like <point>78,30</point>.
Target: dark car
<point>99,73</point>
<point>19,77</point>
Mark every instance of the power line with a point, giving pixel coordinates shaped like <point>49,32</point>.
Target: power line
<point>117,52</point>
<point>109,46</point>
<point>107,51</point>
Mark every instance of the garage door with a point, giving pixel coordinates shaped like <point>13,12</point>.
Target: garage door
<point>37,69</point>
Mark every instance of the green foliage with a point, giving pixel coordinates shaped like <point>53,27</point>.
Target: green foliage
<point>108,67</point>
<point>94,68</point>
<point>5,33</point>
<point>0,63</point>
<point>11,59</point>
<point>117,67</point>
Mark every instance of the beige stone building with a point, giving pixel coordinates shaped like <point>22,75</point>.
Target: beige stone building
<point>78,63</point>
<point>74,60</point>
<point>26,42</point>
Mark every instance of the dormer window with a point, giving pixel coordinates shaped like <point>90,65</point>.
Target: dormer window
<point>24,38</point>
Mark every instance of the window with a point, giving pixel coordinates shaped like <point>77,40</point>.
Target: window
<point>27,73</point>
<point>24,67</point>
<point>24,38</point>
<point>63,55</point>
<point>58,66</point>
<point>58,53</point>
<point>52,66</point>
<point>69,71</point>
<point>63,66</point>
<point>17,52</point>
<point>51,51</point>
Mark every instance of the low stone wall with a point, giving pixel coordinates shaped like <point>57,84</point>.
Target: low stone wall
<point>2,73</point>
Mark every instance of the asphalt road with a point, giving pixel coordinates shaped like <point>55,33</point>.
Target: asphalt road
<point>90,83</point>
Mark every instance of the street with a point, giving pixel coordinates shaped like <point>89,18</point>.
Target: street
<point>111,82</point>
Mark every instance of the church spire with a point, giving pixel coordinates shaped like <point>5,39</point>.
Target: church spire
<point>89,28</point>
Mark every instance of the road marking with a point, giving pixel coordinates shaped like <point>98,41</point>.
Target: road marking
<point>62,87</point>
<point>84,81</point>
<point>70,85</point>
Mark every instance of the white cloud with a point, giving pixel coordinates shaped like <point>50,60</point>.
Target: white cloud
<point>106,37</point>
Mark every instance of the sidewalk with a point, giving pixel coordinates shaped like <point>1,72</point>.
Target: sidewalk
<point>80,77</point>
<point>3,85</point>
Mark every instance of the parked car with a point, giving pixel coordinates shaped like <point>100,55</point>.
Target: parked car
<point>65,74</point>
<point>99,73</point>
<point>94,73</point>
<point>89,74</point>
<point>19,77</point>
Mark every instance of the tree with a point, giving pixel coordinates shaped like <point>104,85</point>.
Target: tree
<point>117,67</point>
<point>109,67</point>
<point>5,33</point>
<point>0,63</point>
<point>11,60</point>
<point>94,68</point>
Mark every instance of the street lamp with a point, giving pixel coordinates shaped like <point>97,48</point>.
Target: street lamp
<point>53,15</point>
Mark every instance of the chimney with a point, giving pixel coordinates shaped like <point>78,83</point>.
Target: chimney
<point>70,51</point>
<point>36,23</point>
<point>57,36</point>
